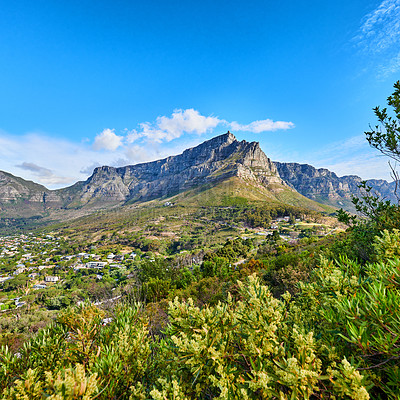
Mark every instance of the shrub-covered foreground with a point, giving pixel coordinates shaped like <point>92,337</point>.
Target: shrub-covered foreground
<point>339,338</point>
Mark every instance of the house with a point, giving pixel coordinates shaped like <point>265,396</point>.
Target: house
<point>40,267</point>
<point>117,266</point>
<point>51,278</point>
<point>119,257</point>
<point>20,269</point>
<point>40,286</point>
<point>95,264</point>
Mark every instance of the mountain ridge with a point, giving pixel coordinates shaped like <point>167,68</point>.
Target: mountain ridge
<point>321,184</point>
<point>215,160</point>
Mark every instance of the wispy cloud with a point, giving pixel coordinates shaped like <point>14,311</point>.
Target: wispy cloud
<point>379,37</point>
<point>380,29</point>
<point>391,67</point>
<point>45,175</point>
<point>352,156</point>
<point>265,125</point>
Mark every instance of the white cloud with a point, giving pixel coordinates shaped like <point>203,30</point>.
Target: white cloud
<point>107,140</point>
<point>181,122</point>
<point>132,135</point>
<point>264,125</point>
<point>137,154</point>
<point>381,27</point>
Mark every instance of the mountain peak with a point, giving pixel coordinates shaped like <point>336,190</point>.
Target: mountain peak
<point>224,139</point>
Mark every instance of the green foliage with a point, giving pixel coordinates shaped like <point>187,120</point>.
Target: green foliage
<point>80,358</point>
<point>16,283</point>
<point>376,216</point>
<point>386,135</point>
<point>247,350</point>
<point>354,308</point>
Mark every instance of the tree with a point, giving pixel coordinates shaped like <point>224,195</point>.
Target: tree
<point>16,283</point>
<point>386,135</point>
<point>377,214</point>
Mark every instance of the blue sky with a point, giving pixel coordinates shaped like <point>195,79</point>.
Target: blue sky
<point>87,83</point>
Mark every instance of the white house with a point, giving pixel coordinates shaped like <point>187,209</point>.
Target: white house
<point>95,264</point>
<point>51,278</point>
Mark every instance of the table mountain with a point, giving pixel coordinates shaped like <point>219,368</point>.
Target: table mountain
<point>212,161</point>
<point>221,159</point>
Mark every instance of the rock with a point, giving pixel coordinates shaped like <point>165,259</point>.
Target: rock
<point>325,186</point>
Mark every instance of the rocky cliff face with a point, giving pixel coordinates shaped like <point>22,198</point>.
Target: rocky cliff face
<point>325,186</point>
<point>211,161</point>
<point>13,188</point>
<point>19,197</point>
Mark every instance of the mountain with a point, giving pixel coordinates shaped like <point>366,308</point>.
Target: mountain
<point>22,198</point>
<point>206,174</point>
<point>326,187</point>
<point>212,161</point>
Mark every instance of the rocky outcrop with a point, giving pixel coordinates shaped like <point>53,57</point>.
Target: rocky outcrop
<point>325,186</point>
<point>14,189</point>
<point>21,198</point>
<point>211,161</point>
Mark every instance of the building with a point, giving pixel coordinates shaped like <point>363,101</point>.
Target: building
<point>96,264</point>
<point>40,286</point>
<point>51,278</point>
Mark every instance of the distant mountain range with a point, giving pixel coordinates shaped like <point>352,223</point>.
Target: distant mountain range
<point>217,160</point>
<point>326,187</point>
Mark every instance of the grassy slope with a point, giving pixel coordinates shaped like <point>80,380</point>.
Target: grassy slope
<point>240,191</point>
<point>204,212</point>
